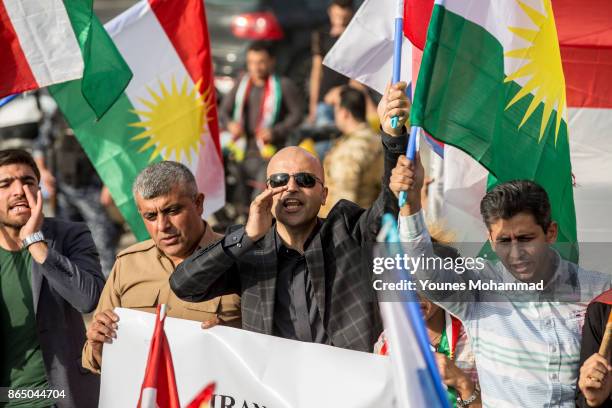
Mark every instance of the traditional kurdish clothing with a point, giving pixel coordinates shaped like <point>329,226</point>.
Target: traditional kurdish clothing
<point>268,115</point>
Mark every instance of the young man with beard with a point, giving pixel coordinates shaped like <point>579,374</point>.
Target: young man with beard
<point>302,277</point>
<point>526,344</point>
<point>49,275</point>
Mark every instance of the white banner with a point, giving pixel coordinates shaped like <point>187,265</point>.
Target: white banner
<point>251,370</point>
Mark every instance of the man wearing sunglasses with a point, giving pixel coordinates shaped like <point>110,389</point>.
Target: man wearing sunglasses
<point>302,277</point>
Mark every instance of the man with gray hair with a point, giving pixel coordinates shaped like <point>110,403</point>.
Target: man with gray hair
<point>171,207</point>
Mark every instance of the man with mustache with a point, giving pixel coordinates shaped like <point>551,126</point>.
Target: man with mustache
<point>302,277</point>
<point>171,207</point>
<point>49,275</point>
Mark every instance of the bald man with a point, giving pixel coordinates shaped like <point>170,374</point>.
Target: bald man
<point>302,277</point>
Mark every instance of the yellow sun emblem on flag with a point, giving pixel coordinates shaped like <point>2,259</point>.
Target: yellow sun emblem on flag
<point>543,68</point>
<point>175,120</point>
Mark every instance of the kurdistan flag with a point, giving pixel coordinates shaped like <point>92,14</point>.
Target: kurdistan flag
<point>167,112</point>
<point>491,84</point>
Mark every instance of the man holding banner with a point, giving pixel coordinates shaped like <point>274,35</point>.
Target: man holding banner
<point>288,262</point>
<point>171,207</point>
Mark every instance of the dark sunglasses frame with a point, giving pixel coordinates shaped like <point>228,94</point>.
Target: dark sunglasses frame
<point>301,179</point>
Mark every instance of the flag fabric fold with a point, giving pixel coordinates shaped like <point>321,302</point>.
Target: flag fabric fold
<point>416,378</point>
<point>167,112</point>
<point>54,41</point>
<point>364,52</point>
<point>493,86</point>
<point>159,384</point>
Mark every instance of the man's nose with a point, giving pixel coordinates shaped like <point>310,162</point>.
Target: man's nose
<point>517,250</point>
<point>292,185</point>
<point>163,222</point>
<point>16,189</point>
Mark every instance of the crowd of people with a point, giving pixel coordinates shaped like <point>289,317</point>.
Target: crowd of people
<point>290,266</point>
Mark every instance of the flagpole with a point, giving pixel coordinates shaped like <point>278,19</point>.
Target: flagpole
<point>411,155</point>
<point>7,99</point>
<point>397,50</point>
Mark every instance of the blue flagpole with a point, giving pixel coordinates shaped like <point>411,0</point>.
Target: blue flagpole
<point>397,51</point>
<point>411,155</point>
<point>7,99</point>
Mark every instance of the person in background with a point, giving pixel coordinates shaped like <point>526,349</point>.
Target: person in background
<point>354,165</point>
<point>452,351</point>
<point>50,276</point>
<point>256,117</point>
<point>171,207</point>
<point>322,78</point>
<point>79,192</point>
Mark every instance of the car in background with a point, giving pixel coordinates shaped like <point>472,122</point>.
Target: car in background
<point>286,24</point>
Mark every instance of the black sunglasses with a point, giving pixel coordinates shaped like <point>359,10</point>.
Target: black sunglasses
<point>306,180</point>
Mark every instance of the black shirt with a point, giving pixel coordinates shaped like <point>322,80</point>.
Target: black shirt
<point>322,42</point>
<point>296,314</point>
<point>592,334</point>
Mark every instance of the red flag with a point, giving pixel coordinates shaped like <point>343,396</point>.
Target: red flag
<point>159,385</point>
<point>605,297</point>
<point>203,399</point>
<point>417,14</point>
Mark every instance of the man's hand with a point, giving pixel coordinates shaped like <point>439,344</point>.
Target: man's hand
<point>409,177</point>
<point>102,330</point>
<point>595,380</point>
<point>265,135</point>
<point>35,221</point>
<point>453,376</point>
<point>394,102</point>
<point>38,250</point>
<point>260,213</point>
<point>106,199</point>
<point>235,129</point>
<point>211,323</point>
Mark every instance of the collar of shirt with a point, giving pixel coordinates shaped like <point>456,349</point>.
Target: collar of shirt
<point>280,245</point>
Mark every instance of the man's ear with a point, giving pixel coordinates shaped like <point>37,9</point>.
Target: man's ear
<point>325,191</point>
<point>552,233</point>
<point>199,202</point>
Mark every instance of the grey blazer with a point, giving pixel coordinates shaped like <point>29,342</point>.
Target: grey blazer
<point>66,285</point>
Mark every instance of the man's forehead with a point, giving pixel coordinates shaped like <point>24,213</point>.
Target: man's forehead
<point>16,170</point>
<point>520,224</point>
<point>160,202</point>
<point>294,163</point>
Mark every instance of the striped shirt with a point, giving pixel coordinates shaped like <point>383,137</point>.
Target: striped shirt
<point>527,353</point>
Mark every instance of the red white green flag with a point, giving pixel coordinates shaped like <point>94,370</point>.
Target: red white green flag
<point>168,111</point>
<point>52,41</point>
<point>492,84</point>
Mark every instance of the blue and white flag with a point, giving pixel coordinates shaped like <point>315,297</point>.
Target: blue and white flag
<point>416,377</point>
